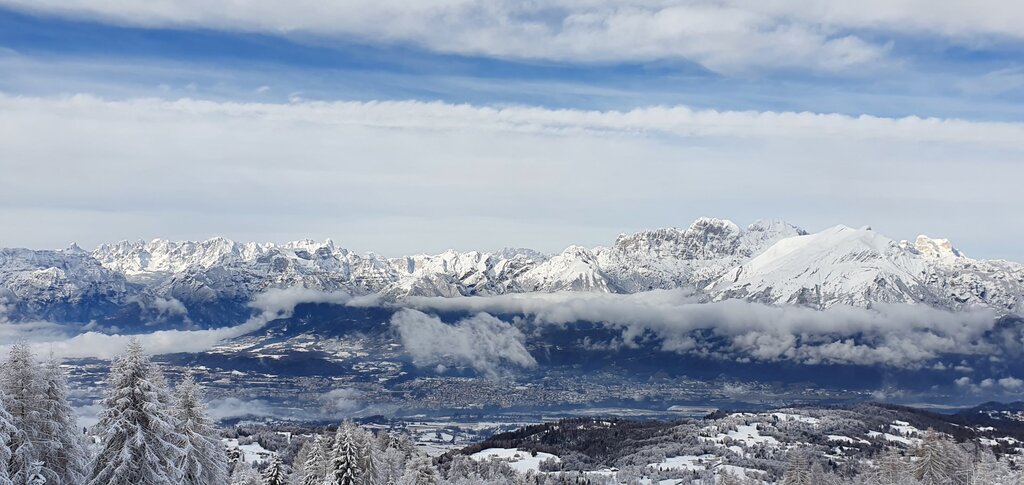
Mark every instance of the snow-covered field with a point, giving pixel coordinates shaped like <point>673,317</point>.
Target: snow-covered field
<point>519,460</point>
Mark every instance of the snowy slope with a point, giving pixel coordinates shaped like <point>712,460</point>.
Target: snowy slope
<point>769,261</point>
<point>846,266</point>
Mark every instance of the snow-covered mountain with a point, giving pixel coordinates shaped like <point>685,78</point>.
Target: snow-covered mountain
<point>769,261</point>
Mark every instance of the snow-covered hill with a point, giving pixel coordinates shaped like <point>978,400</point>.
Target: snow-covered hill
<point>769,261</point>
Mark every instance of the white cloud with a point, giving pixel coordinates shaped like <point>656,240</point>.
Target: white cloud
<point>1005,385</point>
<point>273,304</point>
<point>1011,383</point>
<point>384,176</point>
<point>233,407</point>
<point>726,36</point>
<point>344,401</point>
<point>894,335</point>
<point>481,342</point>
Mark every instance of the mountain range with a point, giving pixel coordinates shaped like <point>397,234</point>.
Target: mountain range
<point>208,283</point>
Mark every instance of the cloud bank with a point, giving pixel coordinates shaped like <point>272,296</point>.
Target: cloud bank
<point>891,335</point>
<point>480,342</point>
<point>272,305</point>
<point>724,36</point>
<point>383,176</point>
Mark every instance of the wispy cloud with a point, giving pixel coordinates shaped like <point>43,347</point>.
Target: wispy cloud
<point>400,165</point>
<point>730,36</point>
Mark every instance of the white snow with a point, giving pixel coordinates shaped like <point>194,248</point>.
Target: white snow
<point>252,452</point>
<point>519,460</point>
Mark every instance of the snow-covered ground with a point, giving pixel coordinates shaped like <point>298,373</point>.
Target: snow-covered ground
<point>521,461</point>
<point>252,452</point>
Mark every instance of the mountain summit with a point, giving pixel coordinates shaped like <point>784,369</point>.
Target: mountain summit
<point>770,261</point>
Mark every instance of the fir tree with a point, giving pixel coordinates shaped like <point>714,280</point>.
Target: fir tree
<point>7,432</point>
<point>62,450</point>
<point>932,465</point>
<point>138,440</point>
<point>35,474</point>
<point>798,471</point>
<point>203,460</point>
<point>419,471</point>
<point>314,470</point>
<point>345,460</point>
<point>245,474</point>
<point>890,469</point>
<point>275,474</point>
<point>23,399</point>
<point>367,457</point>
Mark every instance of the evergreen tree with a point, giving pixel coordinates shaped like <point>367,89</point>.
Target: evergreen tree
<point>890,469</point>
<point>203,460</point>
<point>314,469</point>
<point>138,439</point>
<point>7,432</point>
<point>932,465</point>
<point>275,474</point>
<point>367,457</point>
<point>728,478</point>
<point>419,471</point>
<point>245,474</point>
<point>35,474</point>
<point>23,393</point>
<point>391,465</point>
<point>345,459</point>
<point>798,471</point>
<point>62,450</point>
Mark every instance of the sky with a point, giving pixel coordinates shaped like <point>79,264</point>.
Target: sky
<point>408,127</point>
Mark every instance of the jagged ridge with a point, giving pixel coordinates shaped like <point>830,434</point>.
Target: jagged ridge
<point>769,261</point>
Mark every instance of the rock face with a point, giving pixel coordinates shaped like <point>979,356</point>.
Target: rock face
<point>769,261</point>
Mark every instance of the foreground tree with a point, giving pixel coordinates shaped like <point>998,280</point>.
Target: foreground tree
<point>61,451</point>
<point>7,432</point>
<point>933,464</point>
<point>21,382</point>
<point>314,469</point>
<point>203,460</point>
<point>367,447</point>
<point>245,474</point>
<point>798,471</point>
<point>345,460</point>
<point>275,473</point>
<point>419,471</point>
<point>139,445</point>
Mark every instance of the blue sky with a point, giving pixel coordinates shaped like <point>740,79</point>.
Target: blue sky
<point>87,69</point>
<point>932,76</point>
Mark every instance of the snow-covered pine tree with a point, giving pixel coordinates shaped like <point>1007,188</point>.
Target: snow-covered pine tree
<point>345,460</point>
<point>203,460</point>
<point>890,469</point>
<point>798,470</point>
<point>138,440</point>
<point>933,463</point>
<point>314,471</point>
<point>245,474</point>
<point>419,471</point>
<point>23,394</point>
<point>61,449</point>
<point>391,465</point>
<point>275,473</point>
<point>367,457</point>
<point>7,432</point>
<point>35,474</point>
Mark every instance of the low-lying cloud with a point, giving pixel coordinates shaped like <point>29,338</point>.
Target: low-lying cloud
<point>893,335</point>
<point>272,305</point>
<point>482,342</point>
